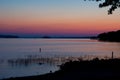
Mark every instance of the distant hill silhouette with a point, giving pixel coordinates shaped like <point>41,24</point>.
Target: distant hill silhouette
<point>8,36</point>
<point>113,36</point>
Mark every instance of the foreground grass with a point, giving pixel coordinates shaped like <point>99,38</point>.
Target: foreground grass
<point>82,70</point>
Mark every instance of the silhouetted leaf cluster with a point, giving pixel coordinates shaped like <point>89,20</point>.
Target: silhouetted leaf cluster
<point>113,3</point>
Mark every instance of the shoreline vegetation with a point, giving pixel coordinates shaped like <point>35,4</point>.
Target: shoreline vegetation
<point>95,69</point>
<point>112,36</point>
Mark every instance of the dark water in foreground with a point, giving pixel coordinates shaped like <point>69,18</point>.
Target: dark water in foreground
<point>25,57</point>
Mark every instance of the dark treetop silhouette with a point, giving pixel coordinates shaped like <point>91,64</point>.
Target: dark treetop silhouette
<point>113,36</point>
<point>113,3</point>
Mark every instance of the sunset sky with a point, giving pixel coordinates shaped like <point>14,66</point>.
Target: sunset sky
<point>55,18</point>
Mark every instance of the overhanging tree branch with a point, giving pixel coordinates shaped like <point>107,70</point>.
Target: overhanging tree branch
<point>113,3</point>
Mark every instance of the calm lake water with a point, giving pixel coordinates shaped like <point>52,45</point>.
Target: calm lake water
<point>26,57</point>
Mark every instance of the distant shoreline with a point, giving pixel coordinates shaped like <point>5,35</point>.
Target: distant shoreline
<point>47,37</point>
<point>10,36</point>
<point>112,36</point>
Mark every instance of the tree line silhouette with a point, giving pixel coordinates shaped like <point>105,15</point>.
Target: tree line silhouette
<point>113,36</point>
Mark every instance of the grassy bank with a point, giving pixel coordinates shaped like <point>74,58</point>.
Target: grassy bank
<point>104,69</point>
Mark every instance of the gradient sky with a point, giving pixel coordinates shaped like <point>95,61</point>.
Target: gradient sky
<point>55,18</point>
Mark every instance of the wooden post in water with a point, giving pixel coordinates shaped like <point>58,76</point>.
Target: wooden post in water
<point>40,49</point>
<point>112,55</point>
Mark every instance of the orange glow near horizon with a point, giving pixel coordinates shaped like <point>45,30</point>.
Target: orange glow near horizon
<point>53,19</point>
